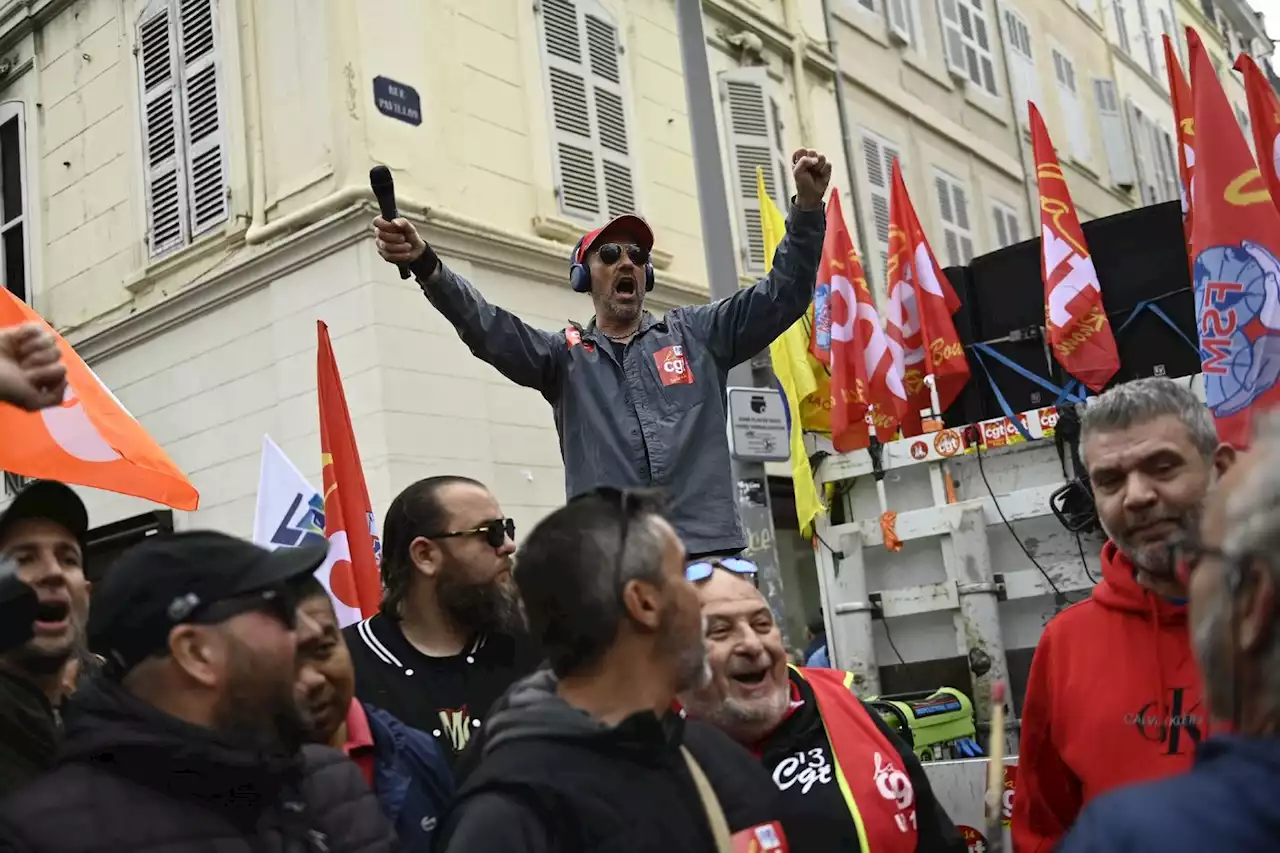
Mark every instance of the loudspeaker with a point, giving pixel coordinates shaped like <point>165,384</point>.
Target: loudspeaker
<point>1139,255</point>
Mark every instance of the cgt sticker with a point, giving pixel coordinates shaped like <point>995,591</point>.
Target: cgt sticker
<point>673,367</point>
<point>948,443</point>
<point>919,450</point>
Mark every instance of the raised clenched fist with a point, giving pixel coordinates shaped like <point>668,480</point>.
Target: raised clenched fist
<point>812,173</point>
<point>32,375</point>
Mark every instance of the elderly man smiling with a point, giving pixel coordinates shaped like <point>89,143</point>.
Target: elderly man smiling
<point>847,782</point>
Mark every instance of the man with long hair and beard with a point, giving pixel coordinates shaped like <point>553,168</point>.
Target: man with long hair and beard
<point>449,637</point>
<point>589,754</point>
<point>191,736</point>
<point>1113,696</point>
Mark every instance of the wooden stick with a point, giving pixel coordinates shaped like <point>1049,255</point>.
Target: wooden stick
<point>994,800</point>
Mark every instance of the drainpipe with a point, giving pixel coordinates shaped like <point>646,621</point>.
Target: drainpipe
<point>257,156</point>
<point>791,19</point>
<point>846,138</point>
<point>1032,193</point>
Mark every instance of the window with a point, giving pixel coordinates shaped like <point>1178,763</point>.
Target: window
<point>591,146</point>
<point>1158,178</point>
<point>903,15</point>
<point>754,132</point>
<point>1064,70</point>
<point>1022,64</point>
<point>877,156</point>
<point>183,138</point>
<point>1148,38</point>
<point>1008,231</point>
<point>1122,24</point>
<point>869,5</point>
<point>966,44</point>
<point>1115,142</point>
<point>953,207</point>
<point>13,191</point>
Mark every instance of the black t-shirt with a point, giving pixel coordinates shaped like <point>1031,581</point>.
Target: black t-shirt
<point>798,758</point>
<point>447,697</point>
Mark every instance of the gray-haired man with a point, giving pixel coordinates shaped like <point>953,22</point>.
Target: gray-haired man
<point>1114,694</point>
<point>1232,570</point>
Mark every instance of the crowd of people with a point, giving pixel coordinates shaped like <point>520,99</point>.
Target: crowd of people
<point>616,681</point>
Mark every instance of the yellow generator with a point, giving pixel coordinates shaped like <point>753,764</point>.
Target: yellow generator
<point>938,726</point>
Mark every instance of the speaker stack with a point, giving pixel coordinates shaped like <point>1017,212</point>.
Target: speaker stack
<point>1140,257</point>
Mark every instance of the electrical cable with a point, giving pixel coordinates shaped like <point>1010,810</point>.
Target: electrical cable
<point>1084,562</point>
<point>884,623</point>
<point>995,502</point>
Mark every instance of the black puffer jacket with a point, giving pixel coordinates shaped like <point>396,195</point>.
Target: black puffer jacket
<point>134,779</point>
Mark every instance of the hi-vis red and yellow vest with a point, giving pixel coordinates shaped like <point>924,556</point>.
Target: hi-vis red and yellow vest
<point>868,767</point>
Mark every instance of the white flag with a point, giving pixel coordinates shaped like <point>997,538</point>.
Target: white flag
<point>290,512</point>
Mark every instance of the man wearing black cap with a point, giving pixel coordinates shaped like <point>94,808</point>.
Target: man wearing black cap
<point>191,737</point>
<point>42,534</point>
<point>639,401</point>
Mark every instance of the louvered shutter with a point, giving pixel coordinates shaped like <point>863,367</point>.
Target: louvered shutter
<point>953,37</point>
<point>1114,141</point>
<point>611,115</point>
<point>1022,66</point>
<point>960,205</point>
<point>572,140</point>
<point>751,143</point>
<point>202,116</point>
<point>783,197</point>
<point>166,191</point>
<point>1008,231</point>
<point>1148,37</point>
<point>878,158</point>
<point>1002,230</point>
<point>1137,132</point>
<point>899,19</point>
<point>1122,24</point>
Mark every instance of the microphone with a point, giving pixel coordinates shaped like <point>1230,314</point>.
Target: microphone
<point>384,190</point>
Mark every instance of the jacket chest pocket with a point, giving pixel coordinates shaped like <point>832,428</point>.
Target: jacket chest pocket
<point>676,378</point>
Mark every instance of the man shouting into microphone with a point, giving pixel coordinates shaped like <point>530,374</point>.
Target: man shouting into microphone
<point>639,401</point>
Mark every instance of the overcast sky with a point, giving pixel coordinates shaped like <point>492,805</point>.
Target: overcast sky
<point>1270,8</point>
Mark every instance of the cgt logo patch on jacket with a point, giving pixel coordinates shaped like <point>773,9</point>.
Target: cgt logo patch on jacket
<point>673,367</point>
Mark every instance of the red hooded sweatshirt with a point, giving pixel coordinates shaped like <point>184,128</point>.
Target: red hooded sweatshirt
<point>1113,698</point>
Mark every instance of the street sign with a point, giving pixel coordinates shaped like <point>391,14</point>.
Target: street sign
<point>397,100</point>
<point>758,430</point>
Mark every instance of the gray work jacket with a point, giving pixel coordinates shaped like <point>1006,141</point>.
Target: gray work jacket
<point>655,418</point>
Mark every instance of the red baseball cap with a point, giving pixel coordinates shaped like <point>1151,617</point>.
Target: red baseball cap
<point>627,223</point>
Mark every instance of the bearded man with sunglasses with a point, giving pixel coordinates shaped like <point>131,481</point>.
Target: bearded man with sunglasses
<point>449,637</point>
<point>847,782</point>
<point>639,401</point>
<point>191,739</point>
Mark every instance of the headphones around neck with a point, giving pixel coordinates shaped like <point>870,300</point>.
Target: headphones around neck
<point>580,273</point>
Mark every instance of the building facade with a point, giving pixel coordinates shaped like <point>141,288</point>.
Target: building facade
<point>185,190</point>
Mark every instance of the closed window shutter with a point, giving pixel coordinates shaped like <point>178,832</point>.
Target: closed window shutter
<point>1022,67</point>
<point>202,117</point>
<point>611,116</point>
<point>783,196</point>
<point>1008,230</point>
<point>751,143</point>
<point>591,142</point>
<point>1114,140</point>
<point>1072,111</point>
<point>960,201</point>
<point>1148,37</point>
<point>878,156</point>
<point>1122,24</point>
<point>166,189</point>
<point>1002,230</point>
<point>899,19</point>
<point>953,209</point>
<point>953,37</point>
<point>1137,132</point>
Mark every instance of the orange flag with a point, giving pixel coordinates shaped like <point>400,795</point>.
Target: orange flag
<point>1264,114</point>
<point>88,440</point>
<point>1075,321</point>
<point>1236,242</point>
<point>1183,115</point>
<point>348,518</point>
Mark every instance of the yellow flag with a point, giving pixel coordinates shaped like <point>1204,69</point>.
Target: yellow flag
<point>790,355</point>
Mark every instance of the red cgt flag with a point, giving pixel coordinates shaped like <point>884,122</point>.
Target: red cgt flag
<point>1264,114</point>
<point>1182,114</point>
<point>859,352</point>
<point>348,518</point>
<point>1075,321</point>
<point>1237,274</point>
<point>928,302</point>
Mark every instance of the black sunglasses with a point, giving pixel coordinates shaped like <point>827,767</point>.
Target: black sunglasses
<point>611,253</point>
<point>495,532</point>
